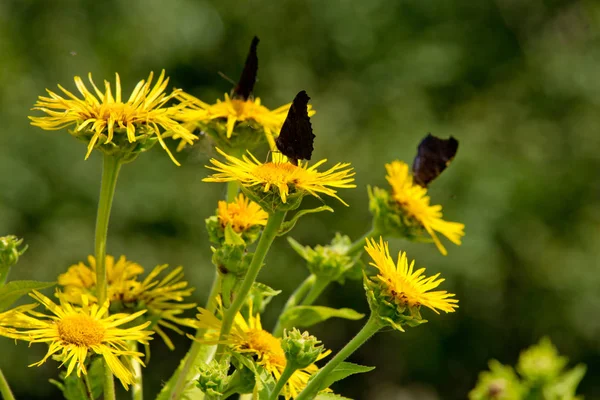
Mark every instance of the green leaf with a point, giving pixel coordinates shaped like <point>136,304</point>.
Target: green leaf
<point>298,247</point>
<point>565,386</point>
<point>265,383</point>
<point>11,292</point>
<point>232,237</point>
<point>342,371</point>
<point>305,316</point>
<point>289,225</point>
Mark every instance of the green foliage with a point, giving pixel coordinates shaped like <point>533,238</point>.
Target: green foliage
<point>12,291</point>
<point>287,226</point>
<point>305,316</point>
<point>342,371</point>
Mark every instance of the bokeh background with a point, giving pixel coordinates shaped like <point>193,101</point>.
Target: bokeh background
<point>515,81</point>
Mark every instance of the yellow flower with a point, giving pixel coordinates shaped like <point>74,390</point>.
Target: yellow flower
<point>162,298</point>
<point>101,115</point>
<point>73,332</point>
<point>242,214</point>
<point>12,319</point>
<point>289,179</point>
<point>405,286</point>
<point>414,201</point>
<point>81,280</point>
<point>235,110</point>
<point>249,338</point>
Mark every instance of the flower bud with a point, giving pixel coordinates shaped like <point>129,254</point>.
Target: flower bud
<point>10,251</point>
<point>213,378</point>
<point>541,363</point>
<point>499,383</point>
<point>328,262</point>
<point>301,349</point>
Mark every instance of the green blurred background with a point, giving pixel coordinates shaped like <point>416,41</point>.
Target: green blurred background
<point>515,81</point>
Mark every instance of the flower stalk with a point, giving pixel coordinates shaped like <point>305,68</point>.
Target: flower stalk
<point>110,172</point>
<point>287,373</point>
<point>137,388</point>
<point>372,326</point>
<point>266,239</point>
<point>296,298</point>
<point>5,389</point>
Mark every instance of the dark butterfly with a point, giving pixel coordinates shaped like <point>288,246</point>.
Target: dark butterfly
<point>433,156</point>
<point>245,85</point>
<point>296,137</point>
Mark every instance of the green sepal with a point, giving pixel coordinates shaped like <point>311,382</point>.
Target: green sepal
<point>342,371</point>
<point>12,291</point>
<point>246,135</point>
<point>565,386</point>
<point>330,396</point>
<point>261,295</point>
<point>289,225</point>
<point>270,201</point>
<point>305,316</point>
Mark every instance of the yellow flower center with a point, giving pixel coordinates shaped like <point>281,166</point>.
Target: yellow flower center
<point>266,345</point>
<point>275,172</point>
<point>80,330</point>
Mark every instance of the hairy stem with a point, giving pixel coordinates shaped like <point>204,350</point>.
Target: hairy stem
<point>137,388</point>
<point>110,171</point>
<point>266,239</point>
<point>294,300</point>
<point>314,386</point>
<point>287,373</point>
<point>5,389</point>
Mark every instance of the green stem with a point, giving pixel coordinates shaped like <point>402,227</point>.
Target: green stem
<point>88,386</point>
<point>266,239</point>
<point>191,356</point>
<point>369,329</point>
<point>294,300</point>
<point>3,275</point>
<point>358,246</point>
<point>315,292</point>
<point>137,388</point>
<point>110,171</point>
<point>4,388</point>
<point>287,373</point>
<point>232,191</point>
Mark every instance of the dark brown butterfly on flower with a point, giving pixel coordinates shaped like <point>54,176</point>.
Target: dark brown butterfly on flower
<point>245,85</point>
<point>296,138</point>
<point>433,156</point>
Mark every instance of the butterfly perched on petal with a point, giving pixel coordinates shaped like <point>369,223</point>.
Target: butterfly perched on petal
<point>296,138</point>
<point>245,85</point>
<point>433,156</point>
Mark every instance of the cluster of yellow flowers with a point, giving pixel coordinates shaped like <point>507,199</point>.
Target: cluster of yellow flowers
<point>83,324</point>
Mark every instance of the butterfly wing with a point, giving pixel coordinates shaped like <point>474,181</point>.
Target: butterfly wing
<point>245,85</point>
<point>296,138</point>
<point>433,156</point>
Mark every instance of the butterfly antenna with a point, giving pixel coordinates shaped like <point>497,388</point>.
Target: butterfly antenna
<point>228,79</point>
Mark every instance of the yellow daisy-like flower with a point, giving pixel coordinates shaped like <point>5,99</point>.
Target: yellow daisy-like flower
<point>414,201</point>
<point>163,298</point>
<point>72,333</point>
<point>234,110</point>
<point>80,279</point>
<point>407,287</point>
<point>101,115</point>
<point>248,337</point>
<point>242,214</point>
<point>279,173</point>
